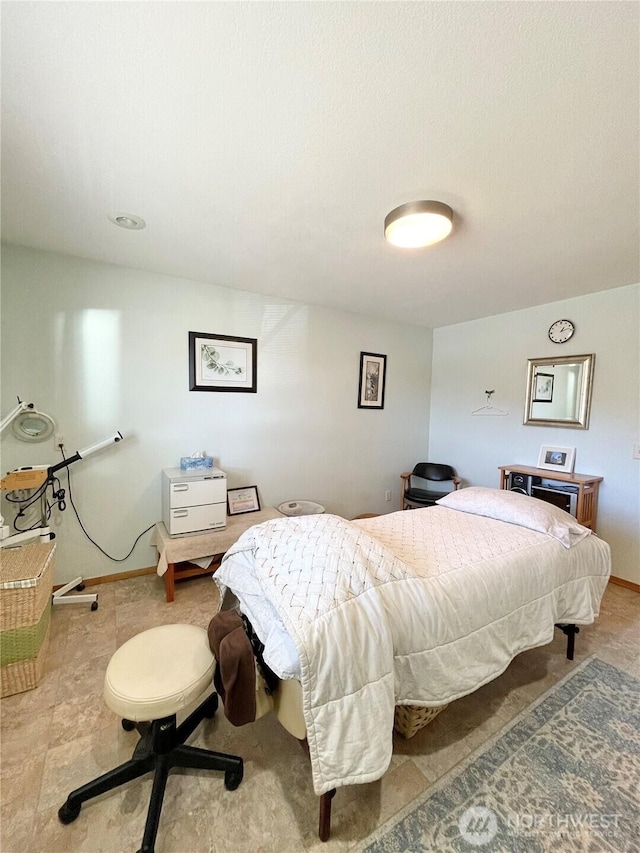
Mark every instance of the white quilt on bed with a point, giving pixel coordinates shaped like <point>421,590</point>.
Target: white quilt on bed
<point>417,607</point>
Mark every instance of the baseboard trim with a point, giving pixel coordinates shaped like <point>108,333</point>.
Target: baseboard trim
<point>622,582</point>
<point>118,576</point>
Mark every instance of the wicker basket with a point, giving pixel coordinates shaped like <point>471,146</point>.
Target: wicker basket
<point>409,719</point>
<point>26,583</point>
<point>25,674</point>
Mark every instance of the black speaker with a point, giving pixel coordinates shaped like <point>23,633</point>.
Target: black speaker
<point>520,483</point>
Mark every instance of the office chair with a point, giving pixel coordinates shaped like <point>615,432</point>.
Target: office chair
<point>415,496</point>
<point>149,680</point>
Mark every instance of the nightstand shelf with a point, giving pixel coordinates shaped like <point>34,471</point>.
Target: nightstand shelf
<point>586,485</point>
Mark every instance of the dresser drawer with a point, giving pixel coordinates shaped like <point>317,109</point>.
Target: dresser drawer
<point>194,518</point>
<point>197,492</point>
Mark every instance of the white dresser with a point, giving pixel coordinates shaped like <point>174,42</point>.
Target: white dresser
<point>193,501</point>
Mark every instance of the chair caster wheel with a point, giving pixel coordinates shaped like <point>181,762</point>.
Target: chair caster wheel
<point>94,605</point>
<point>211,706</point>
<point>80,587</point>
<point>232,779</point>
<point>68,813</point>
<point>128,726</point>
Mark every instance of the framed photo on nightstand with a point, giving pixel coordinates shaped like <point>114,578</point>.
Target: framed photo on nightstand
<point>557,458</point>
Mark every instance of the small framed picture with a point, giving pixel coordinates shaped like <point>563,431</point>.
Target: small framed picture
<point>243,500</point>
<point>222,363</point>
<point>373,368</point>
<point>543,388</point>
<point>557,458</point>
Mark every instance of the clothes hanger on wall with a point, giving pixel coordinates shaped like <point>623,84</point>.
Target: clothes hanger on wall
<point>488,408</point>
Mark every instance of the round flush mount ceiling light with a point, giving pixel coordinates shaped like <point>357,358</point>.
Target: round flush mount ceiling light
<point>127,220</point>
<point>418,223</point>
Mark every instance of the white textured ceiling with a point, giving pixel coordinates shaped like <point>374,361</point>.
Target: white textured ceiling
<point>264,143</point>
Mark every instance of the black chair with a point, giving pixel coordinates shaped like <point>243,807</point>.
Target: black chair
<point>415,494</point>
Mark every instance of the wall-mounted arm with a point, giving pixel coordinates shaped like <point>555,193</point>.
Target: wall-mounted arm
<point>43,478</point>
<point>21,407</point>
<point>87,451</point>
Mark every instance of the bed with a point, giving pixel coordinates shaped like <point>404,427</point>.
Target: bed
<point>417,607</point>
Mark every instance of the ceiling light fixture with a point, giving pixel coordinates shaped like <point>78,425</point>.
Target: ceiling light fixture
<point>127,220</point>
<point>418,223</point>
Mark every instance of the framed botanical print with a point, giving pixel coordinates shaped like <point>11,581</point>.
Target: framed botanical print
<point>222,363</point>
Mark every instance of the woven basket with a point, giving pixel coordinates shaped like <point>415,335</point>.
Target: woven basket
<point>20,644</point>
<point>24,675</point>
<point>26,584</point>
<point>409,719</point>
<point>31,564</point>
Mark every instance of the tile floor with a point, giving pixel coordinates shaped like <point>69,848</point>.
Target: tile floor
<point>60,735</point>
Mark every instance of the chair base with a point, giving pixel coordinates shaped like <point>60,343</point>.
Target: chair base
<point>160,748</point>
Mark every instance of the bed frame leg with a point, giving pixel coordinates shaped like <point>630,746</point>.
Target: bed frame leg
<point>324,818</point>
<point>570,631</point>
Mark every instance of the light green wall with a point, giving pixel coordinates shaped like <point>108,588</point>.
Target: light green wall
<point>492,354</point>
<point>101,348</point>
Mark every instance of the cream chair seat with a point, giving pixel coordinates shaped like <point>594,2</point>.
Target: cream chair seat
<point>152,678</point>
<point>159,672</point>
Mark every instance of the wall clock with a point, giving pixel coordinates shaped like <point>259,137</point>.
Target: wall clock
<point>561,331</point>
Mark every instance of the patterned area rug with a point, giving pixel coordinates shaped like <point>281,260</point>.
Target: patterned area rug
<point>564,776</point>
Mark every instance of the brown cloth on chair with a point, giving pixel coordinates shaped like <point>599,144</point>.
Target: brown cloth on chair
<point>235,674</point>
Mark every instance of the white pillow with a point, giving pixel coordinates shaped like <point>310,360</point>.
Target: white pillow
<point>516,508</point>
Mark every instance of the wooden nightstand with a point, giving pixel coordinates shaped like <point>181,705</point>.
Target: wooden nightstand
<point>587,489</point>
<point>176,550</point>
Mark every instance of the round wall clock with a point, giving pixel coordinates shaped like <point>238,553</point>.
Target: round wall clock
<point>561,331</point>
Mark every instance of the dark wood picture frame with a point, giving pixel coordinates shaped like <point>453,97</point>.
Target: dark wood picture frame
<point>373,374</point>
<point>222,363</point>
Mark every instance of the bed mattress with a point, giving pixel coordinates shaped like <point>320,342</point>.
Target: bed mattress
<point>417,607</point>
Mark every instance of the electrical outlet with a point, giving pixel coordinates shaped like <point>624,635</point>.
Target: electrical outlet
<point>59,441</point>
<point>387,495</point>
<point>636,451</point>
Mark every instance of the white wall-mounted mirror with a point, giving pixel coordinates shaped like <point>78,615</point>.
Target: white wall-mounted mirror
<point>559,391</point>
